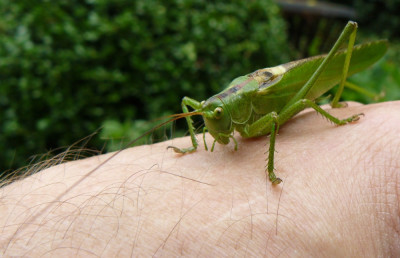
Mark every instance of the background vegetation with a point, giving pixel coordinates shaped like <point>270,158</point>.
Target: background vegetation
<point>69,68</point>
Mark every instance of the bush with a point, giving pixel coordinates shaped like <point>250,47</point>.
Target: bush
<point>68,67</point>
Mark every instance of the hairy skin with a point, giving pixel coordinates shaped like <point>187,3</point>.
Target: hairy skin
<point>339,197</point>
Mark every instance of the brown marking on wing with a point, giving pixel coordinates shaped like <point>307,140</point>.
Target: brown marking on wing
<point>233,89</point>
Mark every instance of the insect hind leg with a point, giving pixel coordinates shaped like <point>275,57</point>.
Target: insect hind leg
<point>349,32</point>
<point>304,103</point>
<point>335,102</point>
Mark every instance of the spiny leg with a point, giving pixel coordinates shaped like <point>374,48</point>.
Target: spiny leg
<point>271,153</point>
<point>335,102</point>
<point>304,103</point>
<point>270,124</point>
<point>266,124</point>
<point>186,101</point>
<point>290,112</point>
<point>348,31</point>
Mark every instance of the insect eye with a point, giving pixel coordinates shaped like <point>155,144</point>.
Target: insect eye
<point>218,112</point>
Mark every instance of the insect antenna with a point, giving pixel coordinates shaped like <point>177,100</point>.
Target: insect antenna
<point>171,118</point>
<point>177,116</point>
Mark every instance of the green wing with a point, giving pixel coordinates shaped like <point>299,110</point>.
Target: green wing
<point>298,72</point>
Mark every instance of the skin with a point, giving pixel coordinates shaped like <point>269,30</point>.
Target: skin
<point>339,197</point>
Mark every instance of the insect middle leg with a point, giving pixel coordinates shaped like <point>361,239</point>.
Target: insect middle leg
<point>270,124</point>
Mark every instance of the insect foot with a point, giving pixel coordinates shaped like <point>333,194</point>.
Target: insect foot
<point>355,117</point>
<point>276,181</point>
<point>182,151</point>
<point>339,105</point>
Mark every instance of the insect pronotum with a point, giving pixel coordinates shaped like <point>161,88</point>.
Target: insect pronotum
<point>258,103</point>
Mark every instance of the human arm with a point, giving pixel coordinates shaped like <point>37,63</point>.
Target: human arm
<point>339,196</point>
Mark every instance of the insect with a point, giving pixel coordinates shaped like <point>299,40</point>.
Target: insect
<point>260,102</point>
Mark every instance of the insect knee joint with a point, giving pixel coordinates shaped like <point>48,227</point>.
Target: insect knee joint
<point>275,117</point>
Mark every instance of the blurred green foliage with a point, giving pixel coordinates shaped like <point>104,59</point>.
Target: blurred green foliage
<point>378,19</point>
<point>313,29</point>
<point>69,67</point>
<point>382,79</point>
<point>378,16</point>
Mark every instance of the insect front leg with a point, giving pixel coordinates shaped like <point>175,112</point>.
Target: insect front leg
<point>226,136</point>
<point>266,124</point>
<point>186,101</point>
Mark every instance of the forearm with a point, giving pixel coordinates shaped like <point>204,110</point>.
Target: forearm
<point>339,196</point>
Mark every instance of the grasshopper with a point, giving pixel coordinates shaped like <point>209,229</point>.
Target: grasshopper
<point>260,102</point>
